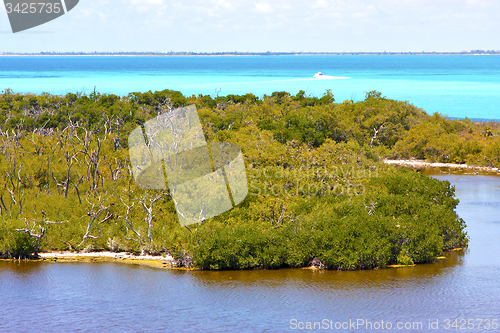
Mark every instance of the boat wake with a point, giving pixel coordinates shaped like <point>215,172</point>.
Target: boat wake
<point>321,76</point>
<point>325,77</point>
<point>329,77</point>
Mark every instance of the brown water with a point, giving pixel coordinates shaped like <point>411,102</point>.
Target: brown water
<point>96,297</point>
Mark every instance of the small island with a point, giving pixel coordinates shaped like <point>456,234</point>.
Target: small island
<point>321,192</point>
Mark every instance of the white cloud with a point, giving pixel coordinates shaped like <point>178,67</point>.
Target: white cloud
<point>264,7</point>
<point>143,6</point>
<point>225,4</point>
<point>146,2</point>
<point>320,4</point>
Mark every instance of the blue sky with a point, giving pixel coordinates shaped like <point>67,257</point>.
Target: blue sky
<point>264,25</point>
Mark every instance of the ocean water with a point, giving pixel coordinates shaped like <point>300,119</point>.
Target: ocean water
<point>454,85</point>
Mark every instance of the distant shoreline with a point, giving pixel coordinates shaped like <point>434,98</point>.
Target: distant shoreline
<point>128,55</point>
<point>234,54</point>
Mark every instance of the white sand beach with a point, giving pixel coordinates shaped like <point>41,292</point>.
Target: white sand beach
<point>422,164</point>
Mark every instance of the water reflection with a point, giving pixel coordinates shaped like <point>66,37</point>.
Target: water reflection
<point>119,297</point>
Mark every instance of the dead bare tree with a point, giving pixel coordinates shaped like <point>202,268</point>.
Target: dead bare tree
<point>371,207</point>
<point>32,225</point>
<point>165,106</point>
<point>117,141</point>
<point>59,185</point>
<point>40,147</point>
<point>94,214</point>
<point>149,210</point>
<point>2,202</point>
<point>277,217</point>
<point>376,131</point>
<point>17,183</point>
<point>17,134</point>
<point>69,155</point>
<point>108,121</point>
<point>120,165</point>
<point>64,185</point>
<point>10,170</point>
<point>129,225</point>
<point>78,192</point>
<point>68,179</point>
<point>71,131</point>
<point>92,158</point>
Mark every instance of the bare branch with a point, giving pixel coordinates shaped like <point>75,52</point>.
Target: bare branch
<point>128,222</point>
<point>276,220</point>
<point>149,210</point>
<point>31,230</point>
<point>94,214</point>
<point>376,131</point>
<point>371,207</point>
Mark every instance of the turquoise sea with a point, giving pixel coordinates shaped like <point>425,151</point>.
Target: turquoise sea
<point>454,85</point>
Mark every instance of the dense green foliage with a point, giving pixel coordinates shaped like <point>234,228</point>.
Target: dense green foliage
<point>317,187</point>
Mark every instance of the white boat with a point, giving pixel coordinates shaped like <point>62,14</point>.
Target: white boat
<point>318,75</point>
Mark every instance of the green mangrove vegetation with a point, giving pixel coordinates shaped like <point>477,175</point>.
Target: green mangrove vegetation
<point>318,189</point>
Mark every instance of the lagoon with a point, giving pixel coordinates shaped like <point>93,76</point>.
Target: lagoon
<point>94,297</point>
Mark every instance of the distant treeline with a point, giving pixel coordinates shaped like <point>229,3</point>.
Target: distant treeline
<point>172,53</point>
<point>318,191</point>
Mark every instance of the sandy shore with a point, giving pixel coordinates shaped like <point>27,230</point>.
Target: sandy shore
<point>422,164</point>
<point>165,261</point>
